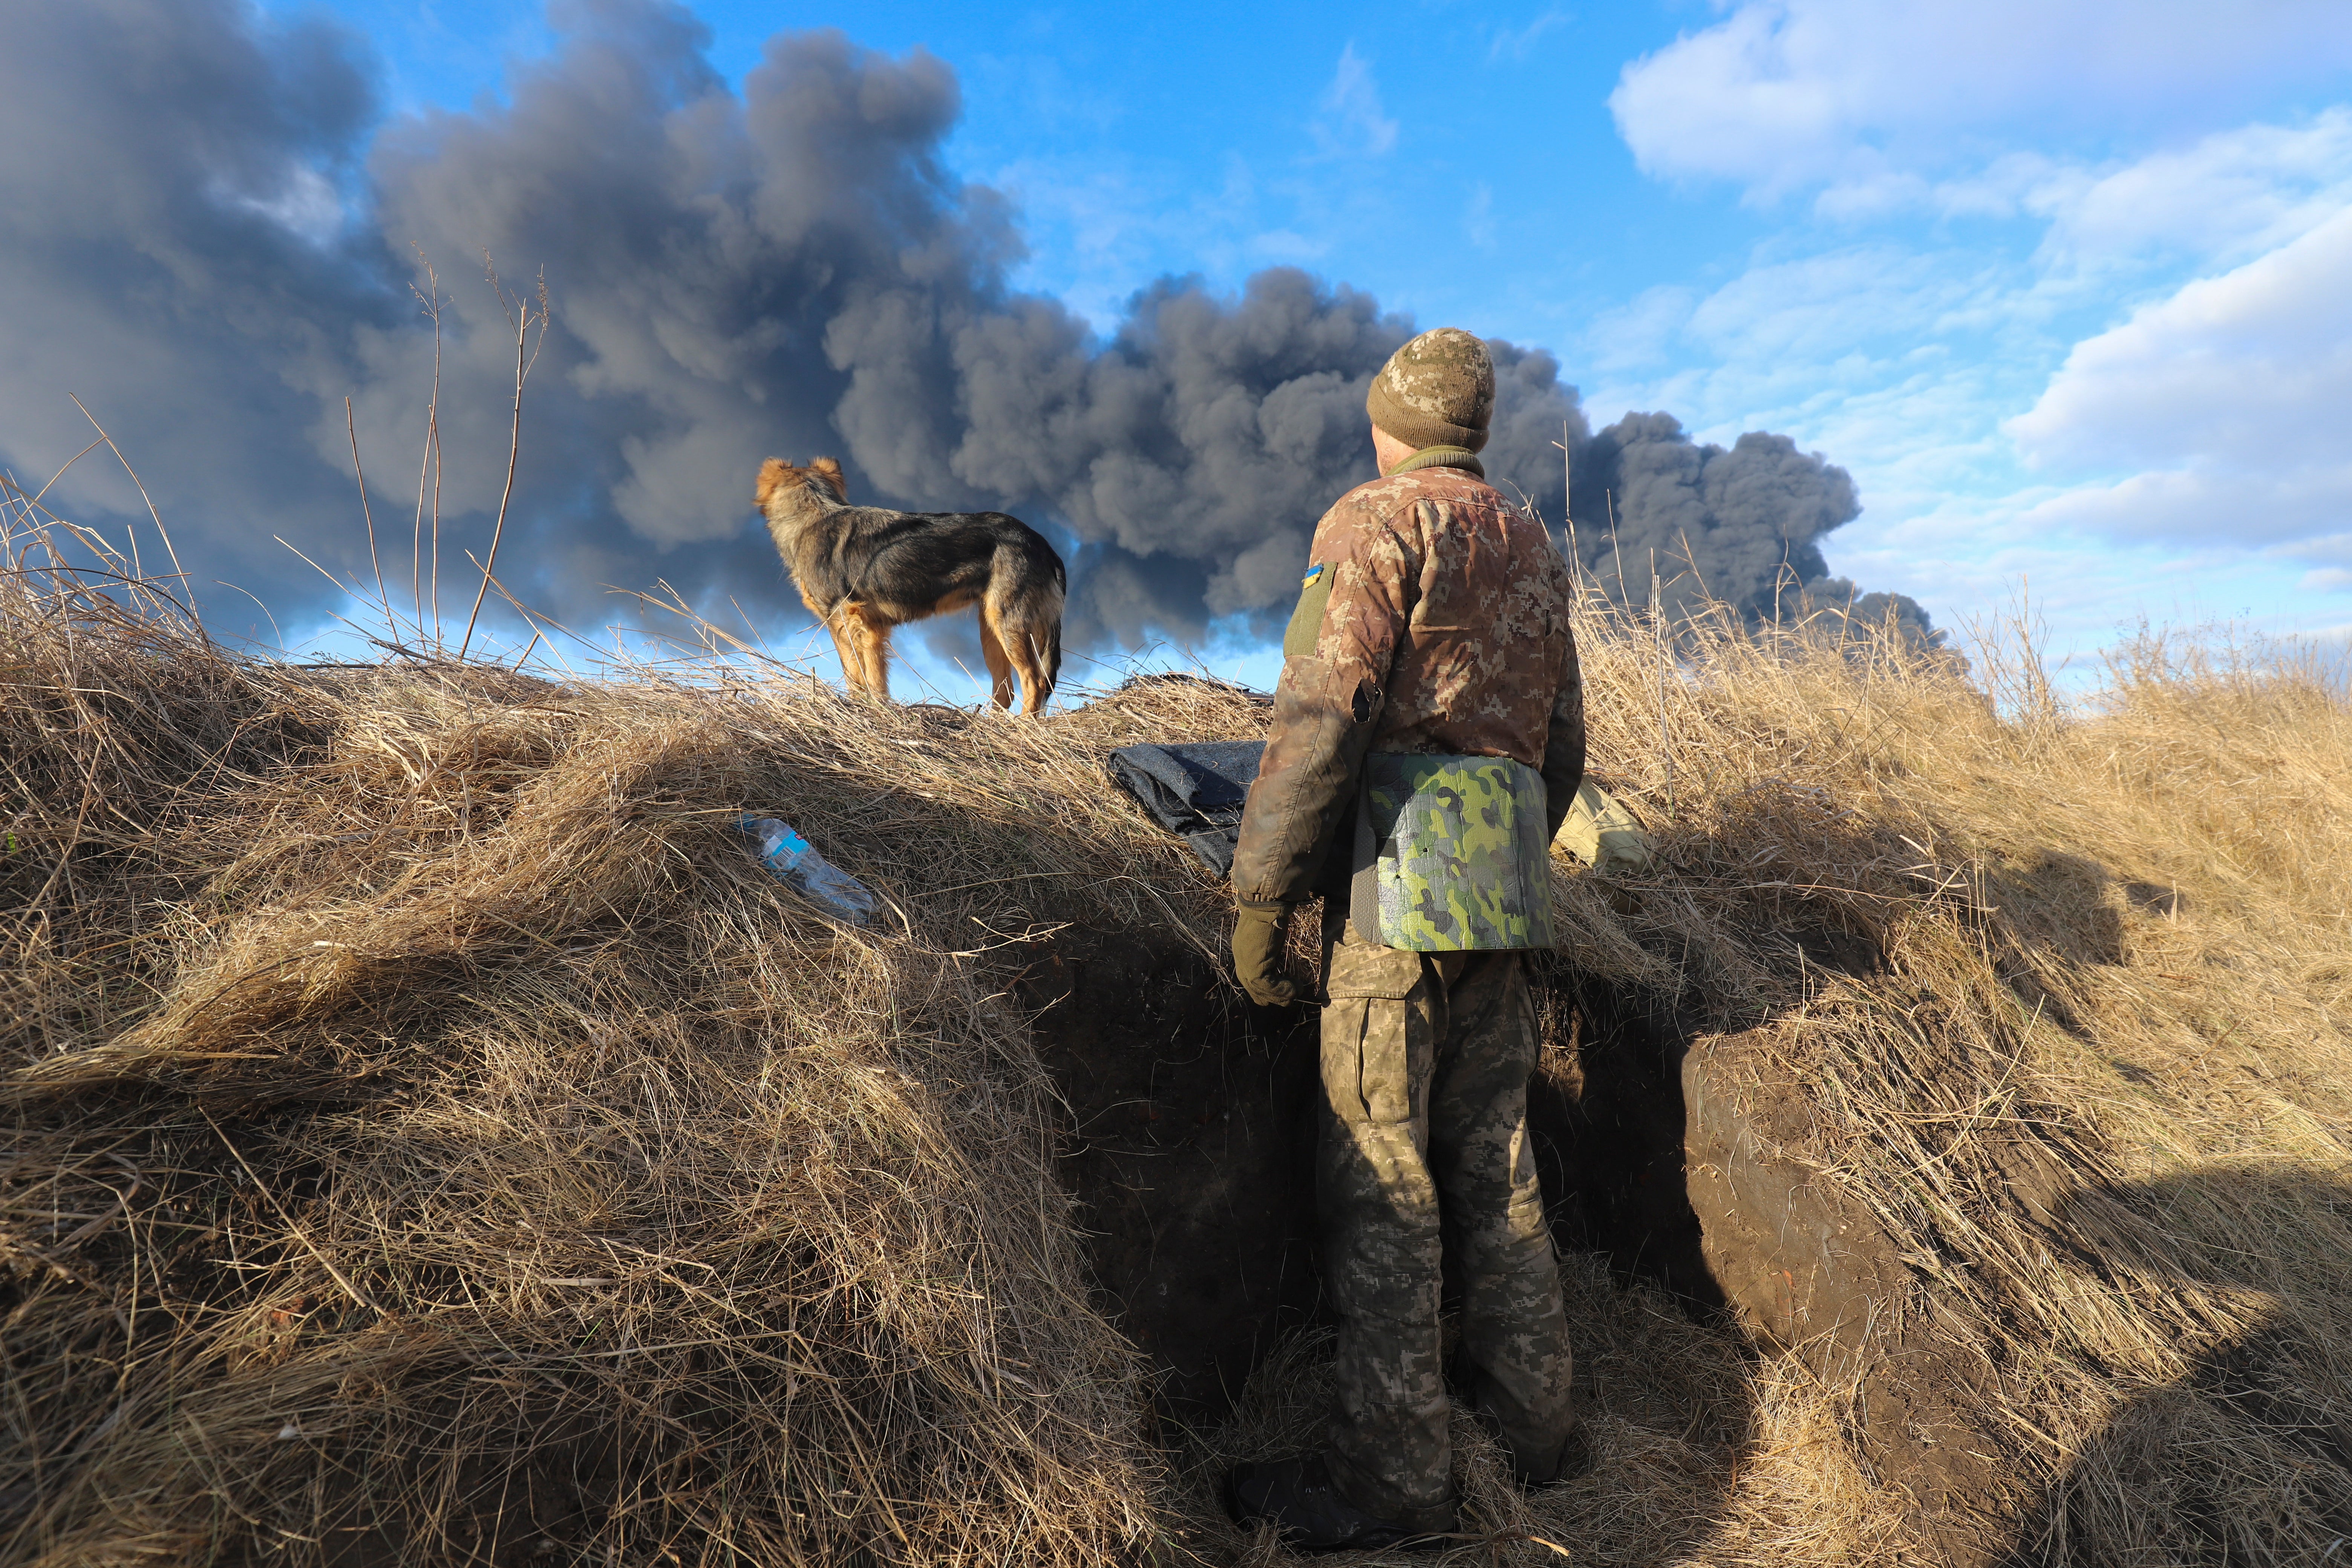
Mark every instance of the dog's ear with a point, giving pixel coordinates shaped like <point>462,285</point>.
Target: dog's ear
<point>772,475</point>
<point>829,470</point>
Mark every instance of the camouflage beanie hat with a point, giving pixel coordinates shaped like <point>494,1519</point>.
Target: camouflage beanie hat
<point>1436,391</point>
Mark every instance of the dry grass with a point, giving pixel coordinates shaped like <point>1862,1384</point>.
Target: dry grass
<point>2100,1098</point>
<point>432,1139</point>
<point>429,1126</point>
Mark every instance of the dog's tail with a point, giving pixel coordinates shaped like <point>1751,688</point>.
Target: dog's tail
<point>1042,629</point>
<point>1053,633</point>
<point>1057,596</point>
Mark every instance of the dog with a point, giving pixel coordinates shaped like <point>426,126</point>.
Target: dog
<point>863,570</point>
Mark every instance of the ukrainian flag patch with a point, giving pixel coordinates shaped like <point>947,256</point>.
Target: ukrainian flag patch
<point>1307,621</point>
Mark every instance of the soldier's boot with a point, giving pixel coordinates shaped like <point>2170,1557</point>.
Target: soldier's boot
<point>1535,1461</point>
<point>1299,1498</point>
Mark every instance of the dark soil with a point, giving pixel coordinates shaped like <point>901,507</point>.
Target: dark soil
<point>1189,1145</point>
<point>1190,1134</point>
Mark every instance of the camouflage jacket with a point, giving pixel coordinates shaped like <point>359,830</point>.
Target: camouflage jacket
<point>1434,620</point>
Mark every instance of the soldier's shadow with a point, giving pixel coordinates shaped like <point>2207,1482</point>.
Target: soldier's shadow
<point>2241,1450</point>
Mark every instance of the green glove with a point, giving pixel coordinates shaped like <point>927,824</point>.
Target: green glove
<point>1260,932</point>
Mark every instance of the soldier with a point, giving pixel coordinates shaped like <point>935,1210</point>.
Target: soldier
<point>1428,738</point>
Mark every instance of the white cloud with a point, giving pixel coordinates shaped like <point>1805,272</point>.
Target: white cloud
<point>1352,122</point>
<point>1514,42</point>
<point>2336,550</point>
<point>1478,216</point>
<point>1283,247</point>
<point>1864,96</point>
<point>1822,306</point>
<point>2233,195</point>
<point>2228,399</point>
<point>1811,343</point>
<point>2132,393</point>
<point>1909,366</point>
<point>304,204</point>
<point>2203,427</point>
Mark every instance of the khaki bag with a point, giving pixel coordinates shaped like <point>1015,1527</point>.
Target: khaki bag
<point>1601,833</point>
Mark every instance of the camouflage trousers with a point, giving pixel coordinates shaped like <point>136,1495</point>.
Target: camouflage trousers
<point>1424,1146</point>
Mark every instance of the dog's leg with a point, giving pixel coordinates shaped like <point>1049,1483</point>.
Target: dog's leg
<point>1036,673</point>
<point>1021,648</point>
<point>1027,642</point>
<point>1022,621</point>
<point>847,648</point>
<point>873,636</point>
<point>991,648</point>
<point>852,663</point>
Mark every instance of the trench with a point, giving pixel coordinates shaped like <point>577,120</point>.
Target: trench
<point>1188,1141</point>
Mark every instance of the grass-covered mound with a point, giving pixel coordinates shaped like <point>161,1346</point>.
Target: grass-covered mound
<point>433,1139</point>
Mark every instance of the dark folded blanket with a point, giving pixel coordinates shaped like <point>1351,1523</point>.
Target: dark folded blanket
<point>1195,790</point>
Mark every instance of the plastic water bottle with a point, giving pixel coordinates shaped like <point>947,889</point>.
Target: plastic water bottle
<point>798,865</point>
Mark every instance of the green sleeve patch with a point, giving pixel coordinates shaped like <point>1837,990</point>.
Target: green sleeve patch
<point>1307,621</point>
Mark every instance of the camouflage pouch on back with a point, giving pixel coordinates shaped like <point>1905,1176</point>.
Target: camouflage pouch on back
<point>1450,854</point>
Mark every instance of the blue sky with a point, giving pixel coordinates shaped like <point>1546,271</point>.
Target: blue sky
<point>2068,287</point>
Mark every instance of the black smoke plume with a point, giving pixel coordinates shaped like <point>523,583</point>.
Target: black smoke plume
<point>1741,526</point>
<point>208,232</point>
